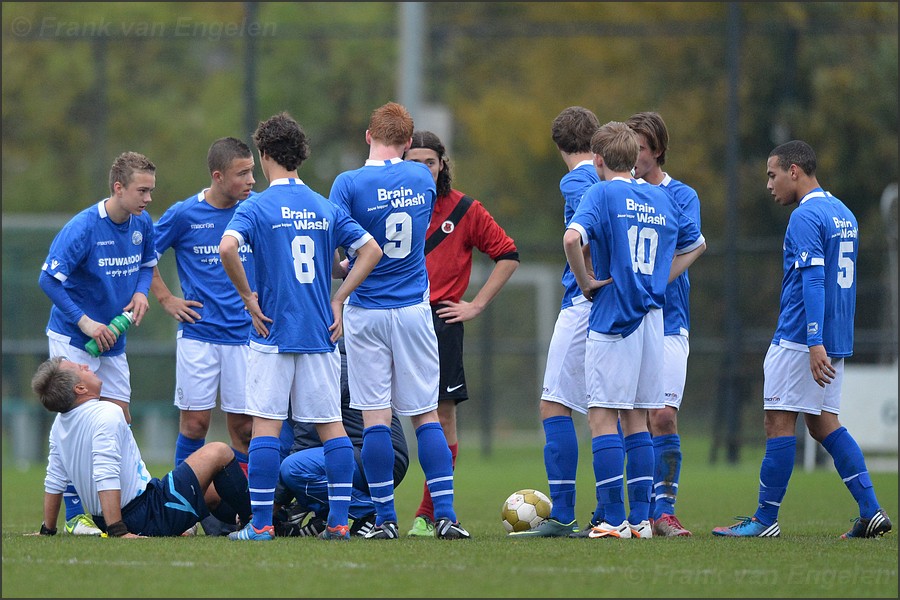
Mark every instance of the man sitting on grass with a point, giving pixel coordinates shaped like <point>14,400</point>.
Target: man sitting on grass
<point>92,446</point>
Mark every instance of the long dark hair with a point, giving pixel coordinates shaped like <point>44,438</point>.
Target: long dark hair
<point>427,139</point>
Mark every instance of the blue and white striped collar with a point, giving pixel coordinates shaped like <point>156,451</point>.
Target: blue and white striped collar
<point>287,181</point>
<point>816,193</point>
<point>383,163</point>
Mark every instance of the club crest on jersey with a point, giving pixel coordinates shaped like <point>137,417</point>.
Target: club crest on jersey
<point>448,227</point>
<point>137,238</point>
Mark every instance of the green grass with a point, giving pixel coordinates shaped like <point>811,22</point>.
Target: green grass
<point>809,560</point>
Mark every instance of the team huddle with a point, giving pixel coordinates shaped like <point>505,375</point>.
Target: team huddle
<point>312,378</point>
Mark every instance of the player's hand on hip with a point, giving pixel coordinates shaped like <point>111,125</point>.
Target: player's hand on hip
<point>256,313</point>
<point>593,285</point>
<point>458,312</point>
<point>180,309</point>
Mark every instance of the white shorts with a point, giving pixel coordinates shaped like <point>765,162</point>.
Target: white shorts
<point>204,371</point>
<point>112,370</point>
<point>788,383</point>
<point>564,373</point>
<point>626,373</point>
<point>675,357</point>
<point>392,358</point>
<point>309,383</point>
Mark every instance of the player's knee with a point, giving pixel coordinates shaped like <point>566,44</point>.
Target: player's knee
<point>554,409</point>
<point>219,452</point>
<point>663,421</point>
<point>193,426</point>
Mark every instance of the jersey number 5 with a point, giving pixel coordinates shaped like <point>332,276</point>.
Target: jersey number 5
<point>845,265</point>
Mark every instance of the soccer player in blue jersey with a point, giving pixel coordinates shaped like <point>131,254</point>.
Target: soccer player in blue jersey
<point>639,240</point>
<point>99,265</point>
<point>392,350</point>
<point>213,327</point>
<point>563,389</point>
<point>295,234</point>
<point>654,141</point>
<point>302,492</point>
<point>804,366</point>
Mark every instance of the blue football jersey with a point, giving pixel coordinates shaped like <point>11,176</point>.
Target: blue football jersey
<point>634,229</point>
<point>294,233</point>
<point>677,311</point>
<point>98,262</point>
<point>821,231</point>
<point>573,185</point>
<point>193,228</point>
<point>392,200</point>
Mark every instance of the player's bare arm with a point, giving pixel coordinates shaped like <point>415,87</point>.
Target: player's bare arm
<point>457,312</point>
<point>231,261</point>
<point>178,308</point>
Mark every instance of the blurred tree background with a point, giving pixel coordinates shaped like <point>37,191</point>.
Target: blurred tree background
<point>83,82</point>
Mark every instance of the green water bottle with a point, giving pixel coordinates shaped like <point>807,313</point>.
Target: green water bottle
<point>118,326</point>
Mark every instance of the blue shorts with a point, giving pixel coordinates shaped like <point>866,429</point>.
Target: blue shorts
<point>168,506</point>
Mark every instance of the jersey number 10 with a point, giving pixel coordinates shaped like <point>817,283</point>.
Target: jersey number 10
<point>642,245</point>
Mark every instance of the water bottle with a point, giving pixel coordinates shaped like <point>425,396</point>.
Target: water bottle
<point>118,326</point>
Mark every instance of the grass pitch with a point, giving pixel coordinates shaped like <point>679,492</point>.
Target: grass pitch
<point>809,560</point>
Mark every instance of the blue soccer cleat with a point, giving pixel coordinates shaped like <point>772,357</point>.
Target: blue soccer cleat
<point>748,527</point>
<point>251,533</point>
<point>338,532</point>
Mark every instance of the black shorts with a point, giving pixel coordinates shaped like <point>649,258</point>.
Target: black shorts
<point>450,352</point>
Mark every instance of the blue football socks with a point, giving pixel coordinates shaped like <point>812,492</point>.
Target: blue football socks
<point>561,462</point>
<point>609,464</point>
<point>339,463</point>
<point>185,446</point>
<point>437,464</point>
<point>639,472</point>
<point>851,466</point>
<point>378,463</point>
<point>774,475</point>
<point>666,473</point>
<point>265,459</point>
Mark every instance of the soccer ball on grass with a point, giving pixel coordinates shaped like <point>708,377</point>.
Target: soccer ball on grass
<point>525,509</point>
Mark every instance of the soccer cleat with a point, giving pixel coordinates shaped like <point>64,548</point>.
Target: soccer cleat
<point>641,531</point>
<point>585,531</point>
<point>314,527</point>
<point>288,521</point>
<point>445,529</point>
<point>385,531</point>
<point>879,524</point>
<point>251,533</point>
<point>82,525</point>
<point>338,532</point>
<point>748,527</point>
<point>548,528</point>
<point>605,530</point>
<point>362,525</point>
<point>423,526</point>
<point>669,526</point>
